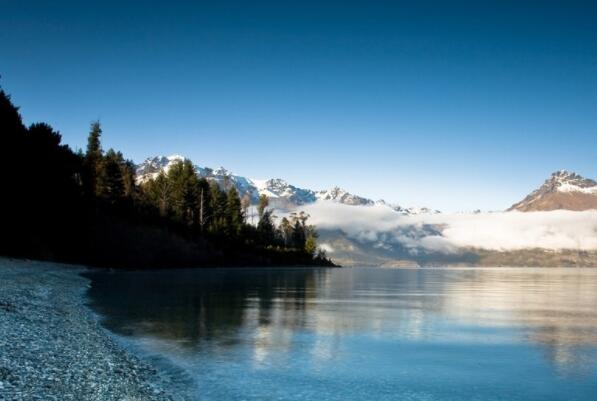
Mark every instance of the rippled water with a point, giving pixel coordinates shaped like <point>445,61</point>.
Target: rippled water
<point>361,334</point>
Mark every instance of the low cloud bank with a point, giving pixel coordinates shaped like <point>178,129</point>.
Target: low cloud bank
<point>503,231</point>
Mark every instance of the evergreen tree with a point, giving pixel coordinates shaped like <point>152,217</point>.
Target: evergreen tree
<point>235,218</point>
<point>219,205</point>
<point>109,181</point>
<point>266,229</point>
<point>94,147</point>
<point>128,178</point>
<point>12,138</point>
<point>93,157</point>
<point>298,235</point>
<point>12,147</point>
<point>54,166</point>
<point>185,187</point>
<point>86,207</point>
<point>12,129</point>
<point>39,209</point>
<point>159,193</point>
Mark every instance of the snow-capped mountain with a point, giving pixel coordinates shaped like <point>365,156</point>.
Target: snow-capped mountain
<point>341,196</point>
<point>562,190</point>
<point>407,210</point>
<point>152,166</point>
<point>281,194</point>
<point>279,191</point>
<point>225,179</point>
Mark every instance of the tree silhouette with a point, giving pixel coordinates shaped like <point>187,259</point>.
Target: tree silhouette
<point>88,208</point>
<point>93,157</point>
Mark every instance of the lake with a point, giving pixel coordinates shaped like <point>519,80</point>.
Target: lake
<point>360,333</point>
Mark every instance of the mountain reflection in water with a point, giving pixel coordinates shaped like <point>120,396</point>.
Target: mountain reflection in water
<point>274,319</point>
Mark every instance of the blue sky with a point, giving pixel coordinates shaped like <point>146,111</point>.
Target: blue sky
<point>457,107</point>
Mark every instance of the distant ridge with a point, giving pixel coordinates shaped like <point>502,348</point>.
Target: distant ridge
<point>280,193</point>
<point>563,190</point>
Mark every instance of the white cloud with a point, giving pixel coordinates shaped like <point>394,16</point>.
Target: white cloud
<point>448,232</point>
<point>326,248</point>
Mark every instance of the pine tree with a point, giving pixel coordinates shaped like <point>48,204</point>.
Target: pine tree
<point>11,123</point>
<point>128,177</point>
<point>58,203</point>
<point>12,136</point>
<point>266,229</point>
<point>110,183</point>
<point>93,157</point>
<point>298,235</point>
<point>219,203</point>
<point>234,212</point>
<point>159,193</point>
<point>185,187</point>
<point>94,148</point>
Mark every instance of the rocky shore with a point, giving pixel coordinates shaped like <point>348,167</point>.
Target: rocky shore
<point>52,346</point>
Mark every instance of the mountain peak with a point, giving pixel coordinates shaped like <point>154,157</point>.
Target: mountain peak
<point>562,190</point>
<point>338,194</point>
<point>565,177</point>
<point>282,194</point>
<point>221,171</point>
<point>152,166</point>
<point>277,182</point>
<point>175,157</point>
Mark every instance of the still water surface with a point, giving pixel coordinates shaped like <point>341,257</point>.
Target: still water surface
<point>361,333</point>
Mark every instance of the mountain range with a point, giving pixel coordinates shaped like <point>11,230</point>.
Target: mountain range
<point>281,194</point>
<point>383,234</point>
<point>563,190</point>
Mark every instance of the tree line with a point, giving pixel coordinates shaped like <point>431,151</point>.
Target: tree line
<point>87,207</point>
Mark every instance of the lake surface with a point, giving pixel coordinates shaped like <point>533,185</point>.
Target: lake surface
<point>361,333</point>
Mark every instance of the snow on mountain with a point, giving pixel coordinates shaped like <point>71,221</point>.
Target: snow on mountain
<point>281,194</point>
<point>562,190</point>
<point>341,196</point>
<point>416,210</point>
<point>152,166</point>
<point>277,189</point>
<point>226,179</point>
<point>407,211</point>
<point>565,181</point>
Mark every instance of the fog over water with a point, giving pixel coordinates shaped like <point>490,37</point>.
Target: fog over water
<point>501,231</point>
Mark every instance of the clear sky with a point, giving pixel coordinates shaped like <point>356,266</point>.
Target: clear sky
<point>455,106</point>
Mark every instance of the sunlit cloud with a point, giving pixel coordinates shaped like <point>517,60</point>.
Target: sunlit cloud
<point>501,231</point>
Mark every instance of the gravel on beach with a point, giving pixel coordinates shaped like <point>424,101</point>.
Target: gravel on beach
<point>52,347</point>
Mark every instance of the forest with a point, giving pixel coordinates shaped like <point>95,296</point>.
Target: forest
<point>87,207</point>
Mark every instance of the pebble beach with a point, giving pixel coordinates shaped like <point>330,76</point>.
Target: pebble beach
<point>52,346</point>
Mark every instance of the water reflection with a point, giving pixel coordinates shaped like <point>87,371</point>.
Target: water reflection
<point>316,320</point>
<point>191,306</point>
<point>555,308</point>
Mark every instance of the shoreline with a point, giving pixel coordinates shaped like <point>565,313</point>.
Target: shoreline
<point>53,346</point>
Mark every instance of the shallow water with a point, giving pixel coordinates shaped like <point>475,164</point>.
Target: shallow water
<point>362,333</point>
